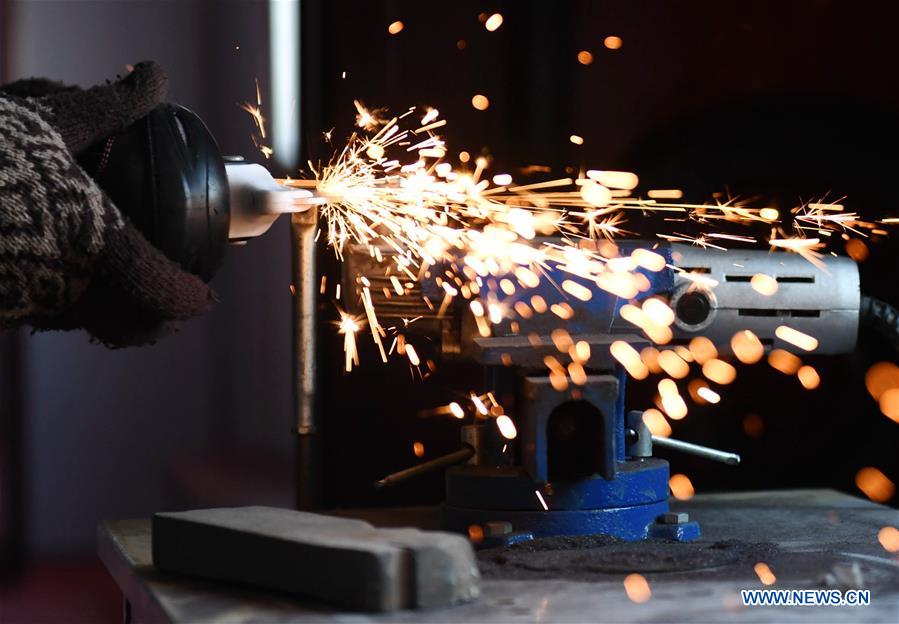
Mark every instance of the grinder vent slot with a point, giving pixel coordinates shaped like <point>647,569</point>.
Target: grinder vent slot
<point>768,312</point>
<point>783,279</point>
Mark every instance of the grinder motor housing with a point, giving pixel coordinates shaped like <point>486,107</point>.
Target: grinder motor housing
<point>166,174</point>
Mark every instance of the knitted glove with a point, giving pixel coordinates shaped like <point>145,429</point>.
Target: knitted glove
<point>68,258</point>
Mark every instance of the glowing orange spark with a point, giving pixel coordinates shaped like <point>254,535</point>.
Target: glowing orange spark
<point>681,487</point>
<point>747,347</point>
<point>888,537</point>
<point>875,485</point>
<point>766,576</point>
<point>796,338</point>
<point>506,427</point>
<point>637,588</point>
<point>493,22</point>
<point>480,102</point>
<point>656,423</point>
<point>763,284</point>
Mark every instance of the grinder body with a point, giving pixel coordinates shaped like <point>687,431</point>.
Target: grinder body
<point>166,175</point>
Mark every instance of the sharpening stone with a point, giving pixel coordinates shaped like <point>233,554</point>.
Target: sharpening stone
<point>345,562</point>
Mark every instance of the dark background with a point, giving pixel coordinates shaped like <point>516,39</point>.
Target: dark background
<point>782,100</point>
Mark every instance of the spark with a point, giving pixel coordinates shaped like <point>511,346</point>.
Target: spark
<point>763,571</point>
<point>542,502</point>
<point>681,487</point>
<point>365,118</point>
<point>506,427</point>
<point>493,22</point>
<point>784,361</point>
<point>628,357</point>
<point>889,404</point>
<point>255,111</point>
<point>820,216</point>
<point>880,378</point>
<point>753,425</point>
<point>665,194</point>
<point>719,371</point>
<point>702,349</point>
<point>708,394</point>
<point>888,537</point>
<point>581,351</point>
<point>578,291</point>
<point>763,284</point>
<point>747,347</point>
<point>796,338</point>
<point>696,241</point>
<point>265,150</point>
<point>807,248</point>
<point>658,311</point>
<point>596,194</point>
<point>673,364</point>
<point>615,179</point>
<point>561,339</point>
<point>731,237</point>
<point>479,405</point>
<point>412,355</point>
<point>637,588</point>
<point>808,377</point>
<point>480,102</point>
<point>584,57</point>
<point>660,334</point>
<point>613,42</point>
<point>650,357</point>
<point>349,326</point>
<point>857,250</point>
<point>875,485</point>
<point>656,423</point>
<point>649,260</point>
<point>672,402</point>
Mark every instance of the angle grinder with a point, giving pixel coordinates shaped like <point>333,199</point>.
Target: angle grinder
<point>168,177</point>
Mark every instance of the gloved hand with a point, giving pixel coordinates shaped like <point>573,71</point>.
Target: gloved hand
<point>68,258</point>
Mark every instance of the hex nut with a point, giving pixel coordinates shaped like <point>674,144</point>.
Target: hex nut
<point>497,528</point>
<point>673,518</point>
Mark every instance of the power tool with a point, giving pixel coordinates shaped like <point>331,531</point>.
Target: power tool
<point>167,175</point>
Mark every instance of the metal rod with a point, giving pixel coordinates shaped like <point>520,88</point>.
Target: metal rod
<point>456,457</point>
<point>303,228</point>
<point>695,449</point>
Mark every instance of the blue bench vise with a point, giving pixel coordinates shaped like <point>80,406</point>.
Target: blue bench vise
<point>581,463</point>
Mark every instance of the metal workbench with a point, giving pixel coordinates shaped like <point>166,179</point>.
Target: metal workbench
<point>810,539</point>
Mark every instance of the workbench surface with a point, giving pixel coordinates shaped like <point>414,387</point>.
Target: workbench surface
<point>806,535</point>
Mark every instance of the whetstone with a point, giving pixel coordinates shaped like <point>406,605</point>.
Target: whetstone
<point>342,561</point>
